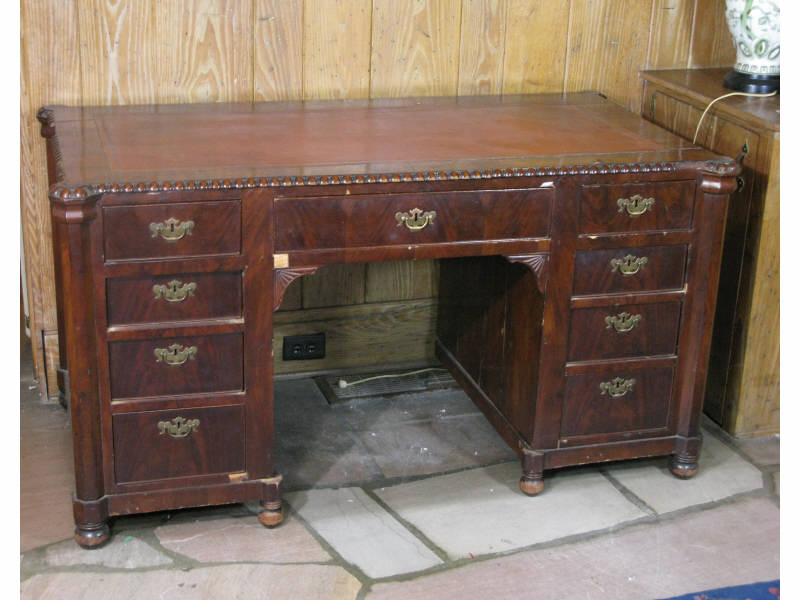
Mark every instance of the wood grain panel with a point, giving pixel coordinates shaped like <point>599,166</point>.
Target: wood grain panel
<point>535,46</point>
<point>117,63</point>
<point>278,50</point>
<point>336,39</point>
<point>334,285</point>
<point>401,280</point>
<point>712,44</point>
<point>607,47</point>
<point>204,51</point>
<point>759,379</point>
<point>390,333</point>
<point>483,36</point>
<point>49,74</point>
<point>415,48</point>
<point>671,34</point>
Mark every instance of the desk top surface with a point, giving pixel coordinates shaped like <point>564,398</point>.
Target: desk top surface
<point>195,142</point>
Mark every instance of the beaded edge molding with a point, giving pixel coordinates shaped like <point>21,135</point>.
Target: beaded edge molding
<point>726,167</point>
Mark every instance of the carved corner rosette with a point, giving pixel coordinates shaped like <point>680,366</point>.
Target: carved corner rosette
<point>538,263</point>
<point>282,279</point>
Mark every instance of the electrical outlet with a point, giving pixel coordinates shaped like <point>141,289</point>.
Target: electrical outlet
<point>304,347</point>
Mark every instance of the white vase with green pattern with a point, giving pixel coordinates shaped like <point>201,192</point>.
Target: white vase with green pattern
<point>756,29</point>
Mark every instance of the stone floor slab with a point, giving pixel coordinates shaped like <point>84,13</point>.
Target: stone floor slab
<point>241,540</point>
<point>722,473</point>
<point>121,552</point>
<point>763,451</point>
<point>482,511</point>
<point>674,557</point>
<point>232,582</point>
<point>362,532</point>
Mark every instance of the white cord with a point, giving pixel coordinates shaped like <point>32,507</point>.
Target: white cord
<point>344,384</point>
<point>696,131</point>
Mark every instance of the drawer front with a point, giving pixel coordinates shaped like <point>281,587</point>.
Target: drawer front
<point>163,444</point>
<point>174,297</point>
<point>636,207</point>
<point>169,366</point>
<point>629,269</point>
<point>171,230</point>
<point>629,400</point>
<point>409,219</point>
<point>624,331</point>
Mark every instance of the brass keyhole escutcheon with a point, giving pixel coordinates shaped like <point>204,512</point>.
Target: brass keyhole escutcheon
<point>175,291</point>
<point>635,205</point>
<point>617,387</point>
<point>629,265</point>
<point>175,355</point>
<point>623,322</point>
<point>179,427</point>
<point>172,229</point>
<point>415,219</point>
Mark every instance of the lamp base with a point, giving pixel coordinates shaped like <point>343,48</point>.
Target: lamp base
<point>752,83</point>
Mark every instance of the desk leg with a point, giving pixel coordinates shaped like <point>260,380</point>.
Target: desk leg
<point>684,462</point>
<point>532,481</point>
<point>272,513</point>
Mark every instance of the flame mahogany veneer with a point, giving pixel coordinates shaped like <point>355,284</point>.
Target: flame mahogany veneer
<point>580,251</point>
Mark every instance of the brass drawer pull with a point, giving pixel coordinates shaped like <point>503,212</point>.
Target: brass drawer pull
<point>635,205</point>
<point>175,355</point>
<point>172,229</point>
<point>629,265</point>
<point>617,387</point>
<point>623,322</point>
<point>174,291</point>
<point>415,219</point>
<point>178,427</point>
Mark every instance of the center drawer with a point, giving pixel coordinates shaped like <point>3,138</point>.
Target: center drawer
<point>169,366</point>
<point>152,445</point>
<point>329,222</point>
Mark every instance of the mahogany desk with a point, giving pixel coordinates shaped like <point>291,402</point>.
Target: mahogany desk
<point>582,249</point>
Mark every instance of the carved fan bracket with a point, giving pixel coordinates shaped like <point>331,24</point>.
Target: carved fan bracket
<point>538,263</point>
<point>282,279</point>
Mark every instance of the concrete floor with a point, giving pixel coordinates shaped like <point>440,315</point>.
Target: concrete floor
<point>412,496</point>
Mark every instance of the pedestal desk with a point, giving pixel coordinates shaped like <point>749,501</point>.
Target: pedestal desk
<point>580,251</point>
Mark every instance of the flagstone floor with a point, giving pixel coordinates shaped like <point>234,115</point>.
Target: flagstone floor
<point>412,496</point>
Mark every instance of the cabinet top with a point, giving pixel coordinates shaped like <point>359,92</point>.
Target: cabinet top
<point>700,86</point>
<point>301,143</point>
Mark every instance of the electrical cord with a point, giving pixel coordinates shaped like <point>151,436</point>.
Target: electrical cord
<point>696,131</point>
<point>343,384</point>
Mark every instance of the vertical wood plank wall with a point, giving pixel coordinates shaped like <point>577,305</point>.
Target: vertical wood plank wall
<point>144,51</point>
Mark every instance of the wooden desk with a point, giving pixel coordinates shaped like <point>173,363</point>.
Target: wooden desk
<point>743,389</point>
<point>582,249</point>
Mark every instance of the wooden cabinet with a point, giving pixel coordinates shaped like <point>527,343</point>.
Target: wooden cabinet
<point>743,390</point>
<point>578,268</point>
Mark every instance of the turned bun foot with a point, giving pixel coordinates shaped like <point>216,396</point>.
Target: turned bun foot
<point>92,535</point>
<point>531,486</point>
<point>270,518</point>
<point>683,467</point>
<point>271,514</point>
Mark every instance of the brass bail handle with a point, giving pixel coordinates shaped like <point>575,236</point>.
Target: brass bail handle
<point>175,355</point>
<point>617,387</point>
<point>179,427</point>
<point>628,265</point>
<point>175,291</point>
<point>635,205</point>
<point>415,219</point>
<point>623,322</point>
<point>172,229</point>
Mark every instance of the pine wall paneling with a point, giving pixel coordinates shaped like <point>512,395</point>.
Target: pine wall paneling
<point>143,51</point>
